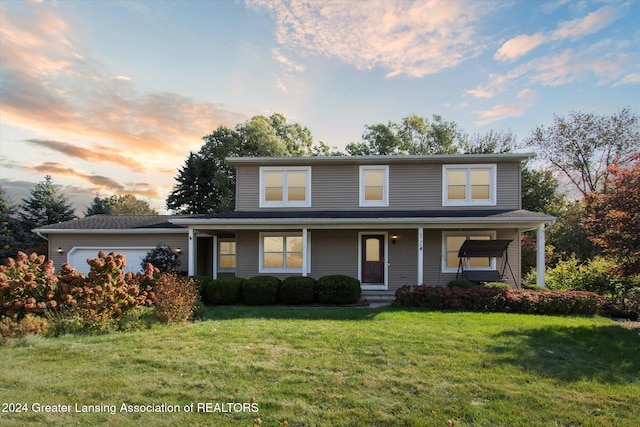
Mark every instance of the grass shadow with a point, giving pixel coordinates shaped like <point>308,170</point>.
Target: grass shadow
<point>609,354</point>
<point>291,312</point>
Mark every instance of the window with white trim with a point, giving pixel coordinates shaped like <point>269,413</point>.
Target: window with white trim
<point>285,187</point>
<point>451,243</point>
<point>226,255</point>
<point>374,186</point>
<point>469,185</point>
<point>282,252</point>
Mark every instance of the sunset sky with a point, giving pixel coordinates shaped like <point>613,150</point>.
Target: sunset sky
<point>109,97</point>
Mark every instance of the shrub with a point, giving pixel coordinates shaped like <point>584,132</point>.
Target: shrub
<point>27,285</point>
<point>496,285</point>
<point>261,290</point>
<point>201,284</point>
<point>163,258</point>
<point>338,289</point>
<point>225,291</point>
<point>297,290</point>
<point>30,324</point>
<point>460,283</point>
<point>175,298</point>
<point>500,300</point>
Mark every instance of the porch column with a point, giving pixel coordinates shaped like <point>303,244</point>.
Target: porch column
<point>304,252</point>
<point>540,267</point>
<point>192,252</point>
<point>214,261</point>
<point>420,256</point>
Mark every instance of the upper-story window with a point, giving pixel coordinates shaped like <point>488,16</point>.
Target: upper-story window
<point>285,187</point>
<point>374,185</point>
<point>469,185</point>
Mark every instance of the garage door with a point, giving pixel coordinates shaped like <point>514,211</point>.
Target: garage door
<point>77,257</point>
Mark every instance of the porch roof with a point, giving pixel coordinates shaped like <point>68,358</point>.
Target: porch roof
<point>409,218</point>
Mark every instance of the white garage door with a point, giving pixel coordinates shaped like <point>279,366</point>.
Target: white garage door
<point>77,257</point>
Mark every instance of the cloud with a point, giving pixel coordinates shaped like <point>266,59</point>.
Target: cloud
<point>519,46</point>
<point>608,62</point>
<point>592,23</point>
<point>49,85</point>
<point>575,29</point>
<point>404,37</point>
<point>628,79</point>
<point>101,184</point>
<point>95,154</point>
<point>501,112</point>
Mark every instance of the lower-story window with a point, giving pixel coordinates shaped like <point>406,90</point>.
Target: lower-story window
<point>451,243</point>
<point>282,252</point>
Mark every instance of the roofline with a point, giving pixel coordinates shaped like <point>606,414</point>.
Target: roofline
<point>111,231</point>
<point>435,158</point>
<point>411,221</point>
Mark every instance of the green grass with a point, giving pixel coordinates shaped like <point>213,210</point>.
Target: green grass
<point>338,367</point>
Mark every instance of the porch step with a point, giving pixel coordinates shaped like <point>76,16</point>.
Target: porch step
<point>377,298</point>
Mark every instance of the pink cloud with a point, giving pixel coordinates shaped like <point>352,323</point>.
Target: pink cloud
<point>592,23</point>
<point>519,46</point>
<point>50,86</point>
<point>414,38</point>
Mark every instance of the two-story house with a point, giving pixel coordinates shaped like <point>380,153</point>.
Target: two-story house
<point>387,220</point>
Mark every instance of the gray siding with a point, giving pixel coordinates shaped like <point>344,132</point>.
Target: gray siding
<point>412,186</point>
<point>106,241</point>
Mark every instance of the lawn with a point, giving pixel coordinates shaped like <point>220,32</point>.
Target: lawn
<point>332,367</point>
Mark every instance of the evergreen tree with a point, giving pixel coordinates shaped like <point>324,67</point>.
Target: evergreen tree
<point>98,207</point>
<point>46,206</point>
<point>13,237</point>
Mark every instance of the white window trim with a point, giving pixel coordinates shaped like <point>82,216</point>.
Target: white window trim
<point>468,201</point>
<point>218,241</point>
<point>285,203</point>
<point>263,269</point>
<point>445,234</point>
<point>385,186</point>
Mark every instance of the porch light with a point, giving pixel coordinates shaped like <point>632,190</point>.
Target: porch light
<point>394,237</point>
<point>178,250</point>
<point>60,251</point>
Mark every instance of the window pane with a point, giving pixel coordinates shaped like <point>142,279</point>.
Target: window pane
<point>227,248</point>
<point>479,237</point>
<point>457,177</point>
<point>480,177</point>
<point>297,179</point>
<point>294,244</point>
<point>452,259</point>
<point>273,179</point>
<point>457,192</point>
<point>227,261</point>
<point>455,242</point>
<point>480,192</point>
<point>479,262</point>
<point>296,194</point>
<point>373,193</point>
<point>372,248</point>
<point>274,244</point>
<point>374,178</point>
<point>273,194</point>
<point>273,260</point>
<point>294,260</point>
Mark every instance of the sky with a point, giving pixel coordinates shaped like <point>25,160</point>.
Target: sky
<point>109,97</point>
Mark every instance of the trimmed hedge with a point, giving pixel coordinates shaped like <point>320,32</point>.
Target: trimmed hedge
<point>261,290</point>
<point>202,282</point>
<point>338,289</point>
<point>461,283</point>
<point>225,291</point>
<point>297,290</point>
<point>500,300</point>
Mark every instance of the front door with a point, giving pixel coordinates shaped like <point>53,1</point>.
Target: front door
<point>373,262</point>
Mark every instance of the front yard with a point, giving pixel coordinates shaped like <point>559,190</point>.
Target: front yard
<point>331,367</point>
